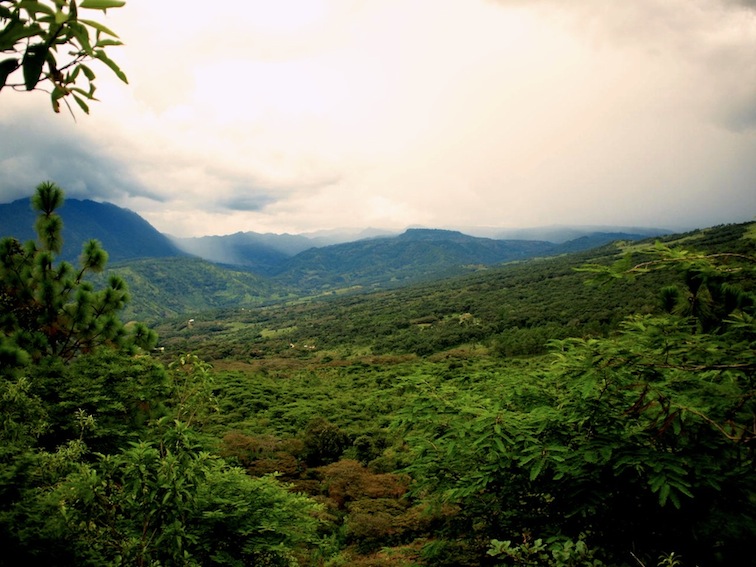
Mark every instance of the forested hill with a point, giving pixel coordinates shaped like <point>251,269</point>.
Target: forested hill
<point>514,308</point>
<point>123,233</point>
<point>416,255</point>
<point>312,265</point>
<point>413,256</point>
<point>307,262</point>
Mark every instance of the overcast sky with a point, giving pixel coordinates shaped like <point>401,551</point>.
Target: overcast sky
<point>299,115</point>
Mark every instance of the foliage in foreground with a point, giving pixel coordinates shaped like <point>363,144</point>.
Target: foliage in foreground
<point>49,308</point>
<point>640,444</point>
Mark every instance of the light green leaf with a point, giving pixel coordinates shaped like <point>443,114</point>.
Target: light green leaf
<point>102,56</point>
<point>101,4</point>
<point>536,469</point>
<point>108,42</point>
<point>99,27</point>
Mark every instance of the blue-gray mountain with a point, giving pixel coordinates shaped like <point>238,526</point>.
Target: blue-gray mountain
<point>258,268</point>
<point>123,233</point>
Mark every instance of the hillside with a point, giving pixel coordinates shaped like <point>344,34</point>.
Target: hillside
<point>514,309</point>
<point>266,252</point>
<point>414,256</point>
<point>167,287</point>
<point>123,233</point>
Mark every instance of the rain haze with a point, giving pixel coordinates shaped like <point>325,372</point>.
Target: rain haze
<point>302,115</point>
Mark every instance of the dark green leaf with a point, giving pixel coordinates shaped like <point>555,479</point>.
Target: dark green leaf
<point>33,61</point>
<point>87,71</point>
<point>83,105</point>
<point>7,67</point>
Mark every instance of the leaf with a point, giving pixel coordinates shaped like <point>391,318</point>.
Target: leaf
<point>98,26</point>
<point>14,32</point>
<point>55,97</point>
<point>108,43</point>
<point>33,61</point>
<point>83,105</point>
<point>663,494</point>
<point>536,469</point>
<point>81,34</point>
<point>7,67</point>
<point>87,71</point>
<point>102,56</point>
<point>101,4</point>
<point>33,8</point>
<point>590,457</point>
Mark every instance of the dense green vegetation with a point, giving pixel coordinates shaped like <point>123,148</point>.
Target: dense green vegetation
<point>584,410</point>
<point>513,310</point>
<point>100,464</point>
<point>163,288</point>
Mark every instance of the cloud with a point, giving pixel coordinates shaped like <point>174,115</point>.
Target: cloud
<point>708,43</point>
<point>347,113</point>
<point>35,149</point>
<point>247,199</point>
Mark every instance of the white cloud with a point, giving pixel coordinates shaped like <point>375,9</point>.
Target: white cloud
<point>295,116</point>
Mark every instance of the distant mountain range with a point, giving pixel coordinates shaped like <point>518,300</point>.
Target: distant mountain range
<point>268,267</point>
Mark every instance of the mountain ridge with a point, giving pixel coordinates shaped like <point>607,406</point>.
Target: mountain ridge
<point>123,233</point>
<point>252,269</point>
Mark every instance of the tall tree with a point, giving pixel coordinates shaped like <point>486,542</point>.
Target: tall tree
<point>49,308</point>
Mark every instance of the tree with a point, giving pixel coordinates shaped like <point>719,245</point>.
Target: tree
<point>49,42</point>
<point>50,309</point>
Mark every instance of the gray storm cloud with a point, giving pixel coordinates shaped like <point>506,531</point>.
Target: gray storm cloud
<point>35,149</point>
<point>247,199</point>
